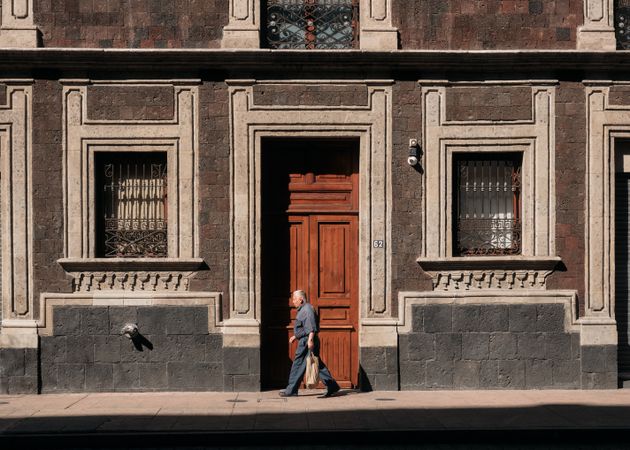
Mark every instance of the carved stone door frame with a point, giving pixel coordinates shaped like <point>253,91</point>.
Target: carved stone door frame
<point>250,124</point>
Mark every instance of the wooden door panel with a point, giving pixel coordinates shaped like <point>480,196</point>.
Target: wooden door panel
<point>332,260</point>
<point>336,352</point>
<point>298,257</point>
<point>333,277</point>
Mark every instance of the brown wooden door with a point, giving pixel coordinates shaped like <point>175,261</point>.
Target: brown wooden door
<point>310,242</point>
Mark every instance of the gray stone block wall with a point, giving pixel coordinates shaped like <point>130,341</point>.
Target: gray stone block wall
<point>520,346</point>
<point>18,371</point>
<point>87,352</point>
<point>241,366</point>
<point>599,367</point>
<point>378,368</point>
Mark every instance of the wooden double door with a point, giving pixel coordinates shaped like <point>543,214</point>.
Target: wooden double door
<point>310,242</point>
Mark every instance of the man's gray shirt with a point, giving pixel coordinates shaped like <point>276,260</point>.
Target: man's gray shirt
<point>305,321</point>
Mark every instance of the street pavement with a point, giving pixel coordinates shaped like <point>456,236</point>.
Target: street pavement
<point>259,418</point>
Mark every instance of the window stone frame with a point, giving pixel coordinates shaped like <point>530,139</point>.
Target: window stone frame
<point>535,139</point>
<point>82,137</point>
<point>375,22</point>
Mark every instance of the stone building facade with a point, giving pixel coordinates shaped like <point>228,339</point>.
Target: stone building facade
<point>188,289</point>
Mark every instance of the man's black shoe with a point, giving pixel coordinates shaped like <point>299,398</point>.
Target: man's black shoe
<point>330,392</point>
<point>284,393</point>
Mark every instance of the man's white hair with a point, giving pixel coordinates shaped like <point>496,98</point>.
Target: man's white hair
<point>300,293</point>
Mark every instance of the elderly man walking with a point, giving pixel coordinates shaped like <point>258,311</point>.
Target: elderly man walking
<point>305,331</point>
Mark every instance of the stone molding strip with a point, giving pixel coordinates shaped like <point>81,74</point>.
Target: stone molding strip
<point>210,299</point>
<point>353,63</point>
<point>568,298</point>
<point>131,264</point>
<point>380,332</point>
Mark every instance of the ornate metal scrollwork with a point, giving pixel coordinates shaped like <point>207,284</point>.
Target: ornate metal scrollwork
<point>488,205</point>
<point>312,24</point>
<point>134,206</point>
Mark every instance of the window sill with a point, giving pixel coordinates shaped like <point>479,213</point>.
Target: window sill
<point>132,264</point>
<point>517,262</point>
<point>489,272</point>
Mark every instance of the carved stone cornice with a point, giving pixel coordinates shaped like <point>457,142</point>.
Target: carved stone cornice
<point>142,274</point>
<point>474,273</point>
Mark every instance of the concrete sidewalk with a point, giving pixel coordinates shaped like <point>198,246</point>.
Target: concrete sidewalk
<point>348,412</point>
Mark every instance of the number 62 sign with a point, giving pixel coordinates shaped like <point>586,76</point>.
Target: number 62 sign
<point>378,244</point>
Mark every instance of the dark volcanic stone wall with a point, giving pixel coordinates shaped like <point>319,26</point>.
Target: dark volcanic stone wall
<point>18,371</point>
<point>87,352</point>
<point>406,193</point>
<point>214,190</point>
<point>456,346</point>
<point>131,23</point>
<point>570,188</point>
<point>488,24</point>
<point>48,216</point>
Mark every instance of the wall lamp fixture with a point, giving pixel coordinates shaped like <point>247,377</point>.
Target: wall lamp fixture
<point>130,330</point>
<point>414,152</point>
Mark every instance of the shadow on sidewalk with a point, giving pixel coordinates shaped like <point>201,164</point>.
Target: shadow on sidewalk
<point>547,426</point>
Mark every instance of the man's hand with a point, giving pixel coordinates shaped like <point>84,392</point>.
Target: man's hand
<point>311,344</point>
<point>291,339</point>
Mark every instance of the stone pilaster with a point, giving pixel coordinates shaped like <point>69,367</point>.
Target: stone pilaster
<point>377,32</point>
<point>18,338</point>
<point>243,29</point>
<point>598,31</point>
<point>16,27</point>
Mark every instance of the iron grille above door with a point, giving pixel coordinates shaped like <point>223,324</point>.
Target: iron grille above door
<point>312,24</point>
<point>132,205</point>
<point>487,207</point>
<point>622,23</point>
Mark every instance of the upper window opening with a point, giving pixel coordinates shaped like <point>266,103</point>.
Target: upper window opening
<point>487,204</point>
<point>131,204</point>
<point>622,24</point>
<point>312,24</point>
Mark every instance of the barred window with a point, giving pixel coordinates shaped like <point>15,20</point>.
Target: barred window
<point>622,24</point>
<point>312,24</point>
<point>131,204</point>
<point>488,204</point>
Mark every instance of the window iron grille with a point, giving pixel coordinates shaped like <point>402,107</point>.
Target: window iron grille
<point>133,205</point>
<point>622,24</point>
<point>312,24</point>
<point>488,204</point>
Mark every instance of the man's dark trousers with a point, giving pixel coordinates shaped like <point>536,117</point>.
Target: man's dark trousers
<point>299,367</point>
